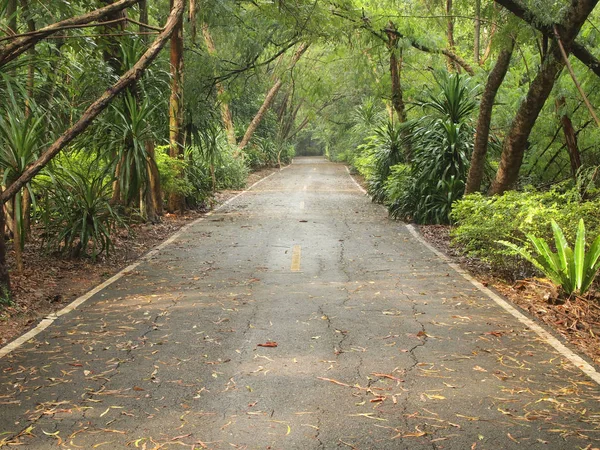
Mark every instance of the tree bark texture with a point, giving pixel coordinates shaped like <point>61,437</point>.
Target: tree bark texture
<point>176,202</point>
<point>18,46</point>
<point>4,275</point>
<point>570,136</point>
<point>516,140</point>
<point>397,97</point>
<point>269,100</point>
<point>482,133</point>
<point>226,115</point>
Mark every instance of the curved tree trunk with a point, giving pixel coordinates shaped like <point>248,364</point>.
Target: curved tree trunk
<point>515,142</point>
<point>482,133</point>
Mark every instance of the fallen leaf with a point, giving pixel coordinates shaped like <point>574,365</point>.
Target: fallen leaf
<point>268,344</point>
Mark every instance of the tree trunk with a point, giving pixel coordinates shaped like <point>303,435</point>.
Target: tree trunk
<point>269,99</point>
<point>11,13</point>
<point>4,275</point>
<point>570,136</point>
<point>143,19</point>
<point>154,189</point>
<point>452,66</point>
<point>477,31</point>
<point>482,133</point>
<point>176,201</point>
<point>226,116</point>
<point>397,98</point>
<point>515,142</point>
<point>116,186</point>
<point>26,208</point>
<point>17,233</point>
<point>111,47</point>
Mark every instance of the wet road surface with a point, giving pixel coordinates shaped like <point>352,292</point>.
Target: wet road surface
<point>380,345</point>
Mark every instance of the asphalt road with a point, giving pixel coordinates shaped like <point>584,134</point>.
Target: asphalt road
<point>380,345</point>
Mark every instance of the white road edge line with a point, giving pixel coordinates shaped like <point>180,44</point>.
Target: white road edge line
<point>547,337</point>
<point>48,320</point>
<point>362,189</point>
<point>575,359</point>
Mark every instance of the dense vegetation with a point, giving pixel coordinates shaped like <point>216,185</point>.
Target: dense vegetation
<point>464,112</point>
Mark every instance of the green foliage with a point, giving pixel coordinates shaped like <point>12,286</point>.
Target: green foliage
<point>170,170</point>
<point>442,143</point>
<point>483,221</point>
<point>384,149</point>
<point>573,270</point>
<point>78,215</point>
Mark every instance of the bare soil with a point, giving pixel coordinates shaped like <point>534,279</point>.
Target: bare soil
<point>576,319</point>
<point>51,281</point>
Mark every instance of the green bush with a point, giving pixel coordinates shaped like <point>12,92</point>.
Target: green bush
<point>170,170</point>
<point>483,221</point>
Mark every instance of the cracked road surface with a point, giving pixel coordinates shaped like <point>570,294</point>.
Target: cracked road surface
<point>380,345</point>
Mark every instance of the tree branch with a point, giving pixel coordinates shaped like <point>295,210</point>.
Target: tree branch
<point>19,46</point>
<point>129,78</point>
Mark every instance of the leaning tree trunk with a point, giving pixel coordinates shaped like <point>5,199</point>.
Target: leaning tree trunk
<point>268,100</point>
<point>176,200</point>
<point>482,133</point>
<point>570,136</point>
<point>515,142</point>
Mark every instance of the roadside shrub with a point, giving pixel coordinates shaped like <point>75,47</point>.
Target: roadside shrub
<point>441,143</point>
<point>483,221</point>
<point>383,149</point>
<point>171,170</point>
<point>78,215</point>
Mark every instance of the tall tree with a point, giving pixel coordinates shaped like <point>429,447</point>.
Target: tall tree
<point>482,133</point>
<point>515,142</point>
<point>176,201</point>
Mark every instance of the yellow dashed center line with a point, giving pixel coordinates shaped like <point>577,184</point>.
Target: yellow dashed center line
<point>296,256</point>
